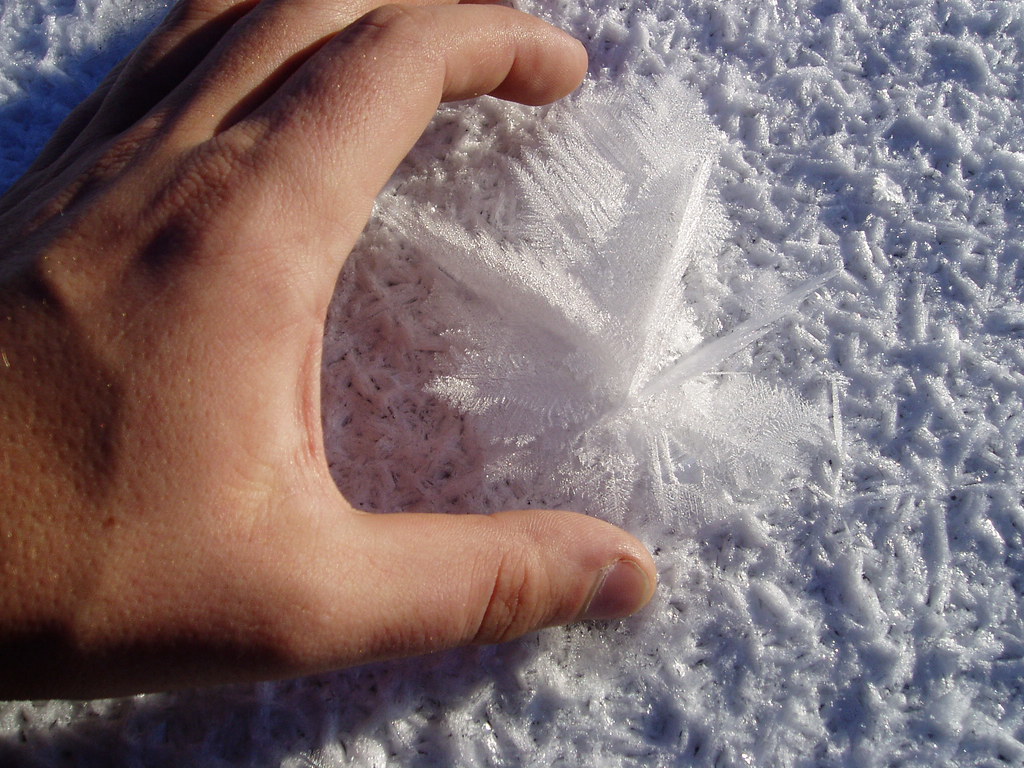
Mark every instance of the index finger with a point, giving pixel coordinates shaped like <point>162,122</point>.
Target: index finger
<point>345,120</point>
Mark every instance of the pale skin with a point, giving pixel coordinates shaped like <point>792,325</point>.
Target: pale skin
<point>168,519</point>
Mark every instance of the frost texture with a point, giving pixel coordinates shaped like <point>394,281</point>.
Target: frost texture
<point>578,352</point>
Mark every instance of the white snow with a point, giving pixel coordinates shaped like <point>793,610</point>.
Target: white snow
<point>812,414</point>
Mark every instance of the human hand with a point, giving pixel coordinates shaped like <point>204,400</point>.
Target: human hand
<point>168,517</point>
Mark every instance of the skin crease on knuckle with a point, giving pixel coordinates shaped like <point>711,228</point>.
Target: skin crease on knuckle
<point>398,33</point>
<point>520,595</point>
<point>510,602</point>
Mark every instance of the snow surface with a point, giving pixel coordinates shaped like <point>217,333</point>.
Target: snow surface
<point>833,486</point>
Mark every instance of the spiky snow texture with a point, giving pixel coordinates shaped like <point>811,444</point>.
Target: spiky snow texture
<point>875,619</point>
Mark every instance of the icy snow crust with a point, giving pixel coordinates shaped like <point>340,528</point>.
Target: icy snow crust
<point>838,524</point>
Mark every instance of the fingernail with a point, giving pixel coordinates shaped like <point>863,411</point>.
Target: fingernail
<point>622,588</point>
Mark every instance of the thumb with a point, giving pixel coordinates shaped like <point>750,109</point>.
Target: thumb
<point>417,583</point>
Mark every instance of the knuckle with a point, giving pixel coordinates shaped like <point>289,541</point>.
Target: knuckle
<point>201,183</point>
<point>394,16</point>
<point>126,150</point>
<point>516,600</point>
<point>405,26</point>
<point>197,11</point>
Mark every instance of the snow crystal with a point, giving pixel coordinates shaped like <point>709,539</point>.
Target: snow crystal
<point>585,371</point>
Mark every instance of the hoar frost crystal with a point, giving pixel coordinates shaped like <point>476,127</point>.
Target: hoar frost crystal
<point>579,352</point>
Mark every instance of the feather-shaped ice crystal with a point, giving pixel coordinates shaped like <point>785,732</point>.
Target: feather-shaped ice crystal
<point>580,361</point>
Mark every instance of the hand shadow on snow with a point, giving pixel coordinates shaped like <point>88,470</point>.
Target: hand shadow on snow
<point>47,91</point>
<point>324,720</point>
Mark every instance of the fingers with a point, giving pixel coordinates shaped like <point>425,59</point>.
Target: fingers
<point>165,58</point>
<point>395,585</point>
<point>400,61</point>
<point>361,102</point>
<point>219,59</point>
<point>75,123</point>
<point>260,54</point>
<point>151,72</point>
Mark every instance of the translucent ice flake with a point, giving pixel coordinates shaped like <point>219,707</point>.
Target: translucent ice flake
<point>585,370</point>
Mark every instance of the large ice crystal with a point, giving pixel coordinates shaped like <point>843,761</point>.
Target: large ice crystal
<point>579,350</point>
